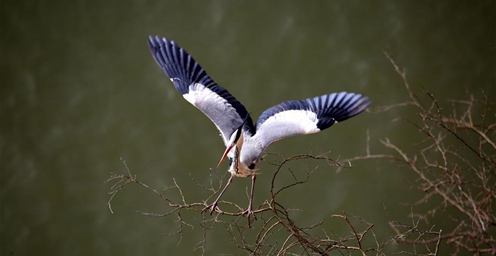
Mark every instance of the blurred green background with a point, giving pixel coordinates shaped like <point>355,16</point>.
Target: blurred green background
<point>80,91</point>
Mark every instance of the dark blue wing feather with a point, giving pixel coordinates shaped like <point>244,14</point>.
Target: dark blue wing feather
<point>328,108</point>
<point>184,72</point>
<point>308,116</point>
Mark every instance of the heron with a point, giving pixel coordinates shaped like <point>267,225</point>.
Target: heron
<point>245,141</point>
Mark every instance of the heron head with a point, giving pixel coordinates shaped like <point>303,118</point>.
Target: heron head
<point>244,158</point>
<point>241,155</point>
<point>239,166</point>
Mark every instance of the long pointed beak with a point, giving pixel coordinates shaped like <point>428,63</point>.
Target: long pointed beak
<point>225,154</point>
<point>234,140</point>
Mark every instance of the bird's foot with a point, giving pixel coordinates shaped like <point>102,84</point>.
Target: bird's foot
<point>212,208</point>
<point>249,212</point>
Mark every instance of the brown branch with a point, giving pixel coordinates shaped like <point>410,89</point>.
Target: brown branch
<point>462,186</point>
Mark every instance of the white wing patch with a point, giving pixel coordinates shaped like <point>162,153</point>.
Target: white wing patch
<point>286,124</point>
<point>197,92</point>
<point>301,121</point>
<point>216,108</point>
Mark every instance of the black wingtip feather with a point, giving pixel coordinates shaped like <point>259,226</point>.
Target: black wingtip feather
<point>343,106</point>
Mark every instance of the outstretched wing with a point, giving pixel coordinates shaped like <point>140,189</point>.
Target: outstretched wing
<point>199,89</point>
<point>308,116</point>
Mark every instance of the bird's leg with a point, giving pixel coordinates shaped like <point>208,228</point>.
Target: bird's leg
<point>249,211</point>
<point>213,206</point>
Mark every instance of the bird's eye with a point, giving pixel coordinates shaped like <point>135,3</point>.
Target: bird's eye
<point>230,160</point>
<point>251,166</point>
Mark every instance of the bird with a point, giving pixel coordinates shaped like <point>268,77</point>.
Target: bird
<point>246,141</point>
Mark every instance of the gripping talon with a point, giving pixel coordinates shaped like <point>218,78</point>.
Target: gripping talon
<point>212,208</point>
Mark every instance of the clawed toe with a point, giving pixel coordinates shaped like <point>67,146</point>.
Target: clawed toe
<point>248,213</point>
<point>212,208</point>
